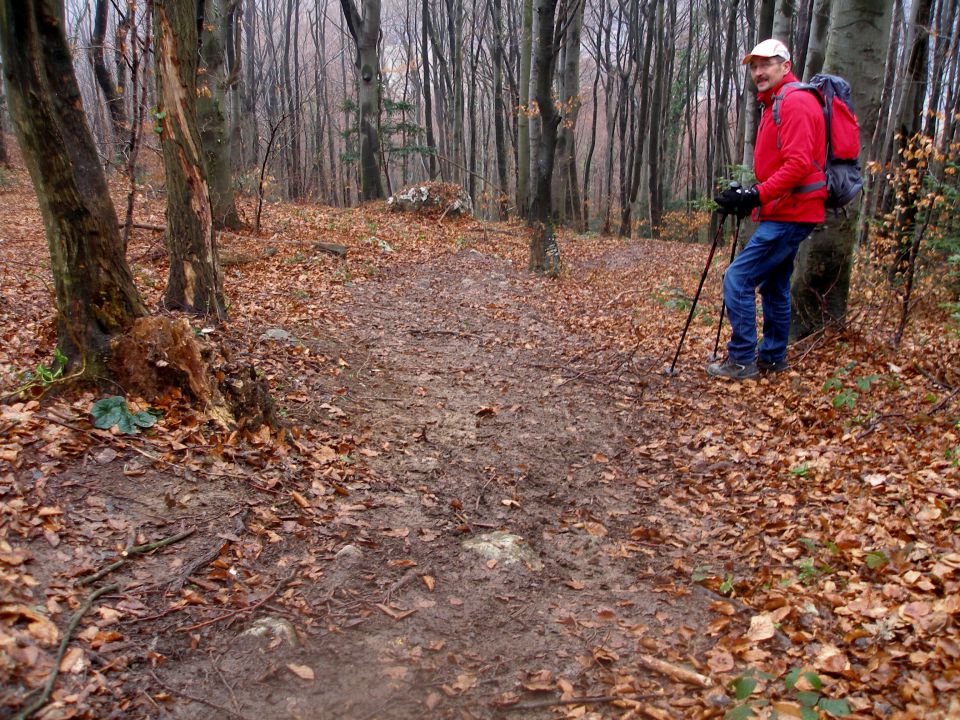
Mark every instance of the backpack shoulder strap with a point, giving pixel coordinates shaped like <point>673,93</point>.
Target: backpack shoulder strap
<point>786,90</point>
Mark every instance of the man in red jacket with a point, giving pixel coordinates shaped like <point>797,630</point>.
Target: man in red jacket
<point>787,202</point>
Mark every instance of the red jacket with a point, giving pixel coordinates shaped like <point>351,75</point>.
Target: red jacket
<point>798,161</point>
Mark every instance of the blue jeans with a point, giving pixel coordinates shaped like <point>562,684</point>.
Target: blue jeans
<point>766,262</point>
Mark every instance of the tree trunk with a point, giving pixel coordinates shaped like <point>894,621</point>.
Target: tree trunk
<point>427,99</point>
<point>817,44</point>
<point>95,295</point>
<point>523,121</point>
<point>194,283</point>
<point>783,21</point>
<point>211,111</point>
<point>4,154</point>
<point>111,93</point>
<point>544,252</point>
<point>654,147</point>
<point>499,110</point>
<point>751,111</point>
<point>821,282</point>
<point>567,191</point>
<point>289,91</point>
<point>366,33</point>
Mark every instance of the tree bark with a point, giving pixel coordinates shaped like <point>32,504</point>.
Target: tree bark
<point>95,296</point>
<point>366,33</point>
<point>111,93</point>
<point>523,121</point>
<point>194,283</point>
<point>427,97</point>
<point>4,154</point>
<point>544,252</point>
<point>817,44</point>
<point>821,281</point>
<point>784,21</point>
<point>568,196</point>
<point>211,111</point>
<point>500,110</point>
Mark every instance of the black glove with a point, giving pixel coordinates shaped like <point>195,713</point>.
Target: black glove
<point>738,201</point>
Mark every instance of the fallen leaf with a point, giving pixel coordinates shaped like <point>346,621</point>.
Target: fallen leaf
<point>300,500</point>
<point>831,659</point>
<point>305,672</point>
<point>395,613</point>
<point>73,661</point>
<point>720,661</point>
<point>761,628</point>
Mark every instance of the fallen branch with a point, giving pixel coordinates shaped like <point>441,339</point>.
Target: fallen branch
<point>195,699</point>
<point>135,550</point>
<point>67,634</point>
<point>675,671</point>
<point>248,608</point>
<point>177,583</point>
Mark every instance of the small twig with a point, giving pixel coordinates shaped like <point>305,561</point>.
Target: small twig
<point>195,699</point>
<point>675,672</point>
<point>404,579</point>
<point>943,403</point>
<point>205,559</point>
<point>67,634</point>
<point>248,608</point>
<point>135,550</point>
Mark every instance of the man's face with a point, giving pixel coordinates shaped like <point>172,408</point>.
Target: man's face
<point>768,72</point>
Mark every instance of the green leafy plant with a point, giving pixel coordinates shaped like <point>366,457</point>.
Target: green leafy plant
<point>45,376</point>
<point>811,702</point>
<point>114,411</point>
<point>846,397</point>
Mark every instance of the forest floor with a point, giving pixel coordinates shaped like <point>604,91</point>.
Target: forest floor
<point>487,501</point>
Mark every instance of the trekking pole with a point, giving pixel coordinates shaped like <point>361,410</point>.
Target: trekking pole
<point>723,303</point>
<point>696,297</point>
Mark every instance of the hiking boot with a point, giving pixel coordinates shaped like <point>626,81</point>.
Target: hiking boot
<point>765,366</point>
<point>729,369</point>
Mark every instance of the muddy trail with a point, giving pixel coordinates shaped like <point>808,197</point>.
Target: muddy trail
<point>508,553</point>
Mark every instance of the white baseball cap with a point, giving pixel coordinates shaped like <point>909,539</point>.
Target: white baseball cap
<point>768,49</point>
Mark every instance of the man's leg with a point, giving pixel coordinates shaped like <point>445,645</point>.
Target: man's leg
<point>763,253</point>
<point>775,296</point>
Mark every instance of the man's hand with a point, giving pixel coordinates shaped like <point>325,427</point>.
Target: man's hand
<point>738,201</point>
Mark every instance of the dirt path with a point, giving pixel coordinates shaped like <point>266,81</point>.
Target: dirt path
<point>473,426</point>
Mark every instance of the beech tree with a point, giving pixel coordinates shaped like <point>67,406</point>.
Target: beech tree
<point>216,82</point>
<point>821,281</point>
<point>365,31</point>
<point>112,91</point>
<point>544,251</point>
<point>96,299</point>
<point>194,283</point>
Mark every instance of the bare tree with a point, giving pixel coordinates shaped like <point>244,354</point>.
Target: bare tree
<point>821,282</point>
<point>111,92</point>
<point>365,31</point>
<point>219,17</point>
<point>194,283</point>
<point>95,295</point>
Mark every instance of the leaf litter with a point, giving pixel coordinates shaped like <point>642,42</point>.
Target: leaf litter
<point>690,532</point>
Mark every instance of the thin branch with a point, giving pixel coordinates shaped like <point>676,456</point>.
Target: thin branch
<point>248,608</point>
<point>67,634</point>
<point>136,550</point>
